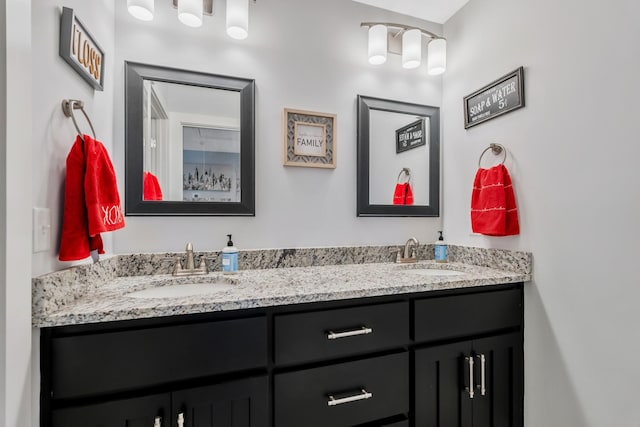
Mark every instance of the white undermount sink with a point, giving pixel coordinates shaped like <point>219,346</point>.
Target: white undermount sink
<point>183,289</point>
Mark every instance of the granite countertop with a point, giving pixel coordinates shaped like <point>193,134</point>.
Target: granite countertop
<point>106,299</point>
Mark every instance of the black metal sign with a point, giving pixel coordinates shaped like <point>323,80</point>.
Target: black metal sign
<point>410,136</point>
<point>495,99</point>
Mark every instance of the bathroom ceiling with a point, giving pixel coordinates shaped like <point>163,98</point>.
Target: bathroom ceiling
<point>430,10</point>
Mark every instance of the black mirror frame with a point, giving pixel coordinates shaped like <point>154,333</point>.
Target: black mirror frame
<point>365,104</point>
<point>135,73</point>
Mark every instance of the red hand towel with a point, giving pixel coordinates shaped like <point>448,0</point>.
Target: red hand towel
<point>151,190</point>
<point>403,195</point>
<point>493,203</point>
<point>92,203</point>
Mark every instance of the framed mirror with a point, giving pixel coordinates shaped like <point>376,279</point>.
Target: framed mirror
<point>398,158</point>
<point>189,142</point>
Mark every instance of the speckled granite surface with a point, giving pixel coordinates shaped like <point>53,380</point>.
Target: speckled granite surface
<point>97,293</point>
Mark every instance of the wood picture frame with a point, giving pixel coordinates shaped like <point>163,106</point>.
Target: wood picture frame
<point>499,97</point>
<point>309,139</point>
<point>80,50</point>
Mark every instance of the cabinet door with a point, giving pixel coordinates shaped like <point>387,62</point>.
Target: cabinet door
<point>440,396</point>
<point>501,403</point>
<point>138,412</point>
<point>242,403</point>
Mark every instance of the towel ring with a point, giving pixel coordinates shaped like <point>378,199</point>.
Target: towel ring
<point>496,149</point>
<point>68,105</point>
<point>405,171</point>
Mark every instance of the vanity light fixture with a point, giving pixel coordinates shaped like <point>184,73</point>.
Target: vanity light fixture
<point>406,41</point>
<point>377,44</point>
<point>141,9</point>
<point>238,19</point>
<point>190,13</point>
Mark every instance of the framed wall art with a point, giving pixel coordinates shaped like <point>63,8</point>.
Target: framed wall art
<point>309,139</point>
<point>81,50</point>
<point>495,99</point>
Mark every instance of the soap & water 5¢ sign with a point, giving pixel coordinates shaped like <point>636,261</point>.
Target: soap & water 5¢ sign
<point>495,99</point>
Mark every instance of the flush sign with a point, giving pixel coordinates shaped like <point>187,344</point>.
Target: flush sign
<point>410,136</point>
<point>80,49</point>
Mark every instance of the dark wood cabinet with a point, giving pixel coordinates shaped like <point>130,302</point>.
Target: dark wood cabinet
<point>402,360</point>
<point>474,383</point>
<point>343,394</point>
<point>136,412</point>
<point>242,403</point>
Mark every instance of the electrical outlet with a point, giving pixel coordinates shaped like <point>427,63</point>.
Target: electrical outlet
<point>41,230</point>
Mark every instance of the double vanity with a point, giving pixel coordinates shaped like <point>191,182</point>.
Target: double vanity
<point>298,338</point>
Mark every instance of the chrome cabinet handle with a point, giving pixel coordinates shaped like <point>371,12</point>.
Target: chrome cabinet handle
<point>157,422</point>
<point>180,419</point>
<point>364,394</point>
<point>482,386</point>
<point>362,331</point>
<point>470,389</point>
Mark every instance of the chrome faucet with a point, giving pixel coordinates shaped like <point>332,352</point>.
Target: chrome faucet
<point>409,253</point>
<point>189,267</point>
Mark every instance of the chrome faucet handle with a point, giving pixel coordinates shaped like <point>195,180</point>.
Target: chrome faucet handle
<point>177,268</point>
<point>203,265</point>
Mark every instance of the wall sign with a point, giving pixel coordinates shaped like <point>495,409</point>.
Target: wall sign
<point>309,139</point>
<point>80,49</point>
<point>410,136</point>
<point>495,99</point>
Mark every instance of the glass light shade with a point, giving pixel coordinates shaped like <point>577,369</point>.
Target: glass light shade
<point>190,12</point>
<point>238,19</point>
<point>437,56</point>
<point>377,44</point>
<point>411,48</point>
<point>141,9</point>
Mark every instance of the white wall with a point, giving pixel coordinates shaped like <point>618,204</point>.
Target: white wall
<point>15,213</point>
<point>573,155</point>
<point>53,133</point>
<point>306,55</point>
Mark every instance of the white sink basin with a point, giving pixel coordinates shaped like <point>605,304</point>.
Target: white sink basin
<point>180,290</point>
<point>426,271</point>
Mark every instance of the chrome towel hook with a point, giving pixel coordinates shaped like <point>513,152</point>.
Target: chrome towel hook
<point>68,105</point>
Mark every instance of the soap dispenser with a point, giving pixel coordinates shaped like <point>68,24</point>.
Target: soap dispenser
<point>230,258</point>
<point>441,249</point>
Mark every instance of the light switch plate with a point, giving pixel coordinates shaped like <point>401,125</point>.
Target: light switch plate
<point>41,229</point>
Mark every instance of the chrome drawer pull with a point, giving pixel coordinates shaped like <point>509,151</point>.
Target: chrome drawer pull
<point>157,422</point>
<point>470,389</point>
<point>362,396</point>
<point>362,331</point>
<point>482,386</point>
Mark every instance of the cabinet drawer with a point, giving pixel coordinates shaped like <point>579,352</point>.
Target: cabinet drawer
<point>140,411</point>
<point>325,334</point>
<point>363,391</point>
<point>462,315</point>
<point>115,361</point>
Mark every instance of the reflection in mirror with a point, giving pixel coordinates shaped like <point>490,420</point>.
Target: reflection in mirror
<point>387,167</point>
<point>398,158</point>
<point>189,143</point>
